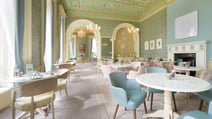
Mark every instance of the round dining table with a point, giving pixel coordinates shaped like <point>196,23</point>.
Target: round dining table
<point>179,83</point>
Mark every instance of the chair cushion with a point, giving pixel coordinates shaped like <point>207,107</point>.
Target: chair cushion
<point>195,115</point>
<point>206,95</point>
<point>24,103</point>
<point>153,90</point>
<point>135,98</point>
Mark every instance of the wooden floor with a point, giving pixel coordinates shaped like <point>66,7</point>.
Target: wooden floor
<point>90,98</point>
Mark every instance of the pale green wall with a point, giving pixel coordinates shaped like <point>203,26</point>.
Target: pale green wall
<point>107,28</point>
<point>152,29</point>
<point>181,7</point>
<point>107,48</point>
<point>36,32</point>
<point>84,41</point>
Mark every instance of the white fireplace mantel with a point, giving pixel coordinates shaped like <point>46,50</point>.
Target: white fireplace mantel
<point>200,48</point>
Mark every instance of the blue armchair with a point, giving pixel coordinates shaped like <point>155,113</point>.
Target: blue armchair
<point>198,114</point>
<point>127,93</point>
<point>153,90</point>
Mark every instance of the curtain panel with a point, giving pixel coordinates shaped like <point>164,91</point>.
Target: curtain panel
<point>19,35</point>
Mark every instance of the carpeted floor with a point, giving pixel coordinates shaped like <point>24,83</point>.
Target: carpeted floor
<point>91,98</point>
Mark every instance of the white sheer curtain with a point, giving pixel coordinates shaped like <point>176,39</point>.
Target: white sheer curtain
<point>7,38</point>
<point>48,56</point>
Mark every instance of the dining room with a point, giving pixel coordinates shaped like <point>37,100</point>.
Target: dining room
<point>96,48</point>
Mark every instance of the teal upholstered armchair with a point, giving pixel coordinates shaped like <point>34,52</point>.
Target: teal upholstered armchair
<point>198,114</point>
<point>151,91</point>
<point>127,93</point>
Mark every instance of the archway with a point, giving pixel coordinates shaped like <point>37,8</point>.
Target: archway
<point>135,37</point>
<point>76,25</point>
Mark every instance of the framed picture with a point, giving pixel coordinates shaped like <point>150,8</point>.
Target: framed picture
<point>186,26</point>
<point>159,43</point>
<point>146,45</point>
<point>82,48</point>
<point>152,44</point>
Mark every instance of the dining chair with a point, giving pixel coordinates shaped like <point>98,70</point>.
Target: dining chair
<point>127,93</point>
<point>106,70</point>
<point>205,96</point>
<point>182,64</point>
<point>198,114</point>
<point>63,76</point>
<point>133,74</point>
<point>151,91</point>
<point>34,94</point>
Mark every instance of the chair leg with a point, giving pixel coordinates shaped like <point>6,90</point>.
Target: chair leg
<point>148,96</point>
<point>52,108</point>
<point>13,113</point>
<point>117,107</point>
<point>201,103</point>
<point>134,114</point>
<point>145,107</point>
<point>66,91</point>
<point>174,101</point>
<point>151,101</point>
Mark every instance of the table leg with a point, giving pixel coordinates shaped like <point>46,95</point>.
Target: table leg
<point>167,113</point>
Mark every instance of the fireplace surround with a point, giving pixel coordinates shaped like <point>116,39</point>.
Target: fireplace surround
<point>197,50</point>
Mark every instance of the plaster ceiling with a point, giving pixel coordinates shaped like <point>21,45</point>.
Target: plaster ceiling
<point>120,10</point>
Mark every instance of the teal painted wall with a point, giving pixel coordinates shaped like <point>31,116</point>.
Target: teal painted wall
<point>181,7</point>
<point>152,29</point>
<point>36,32</point>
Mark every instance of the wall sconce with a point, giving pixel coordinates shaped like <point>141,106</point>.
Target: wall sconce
<point>104,44</point>
<point>93,27</point>
<point>133,30</point>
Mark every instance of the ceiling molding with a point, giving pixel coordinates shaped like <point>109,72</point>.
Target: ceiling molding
<point>118,10</point>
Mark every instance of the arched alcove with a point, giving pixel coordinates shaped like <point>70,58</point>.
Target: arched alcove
<point>79,24</point>
<point>134,36</point>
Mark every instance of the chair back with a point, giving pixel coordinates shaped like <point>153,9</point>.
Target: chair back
<point>106,69</point>
<point>168,66</point>
<point>118,84</point>
<point>62,73</point>
<point>118,79</point>
<point>38,86</point>
<point>206,75</point>
<point>64,66</point>
<point>155,70</point>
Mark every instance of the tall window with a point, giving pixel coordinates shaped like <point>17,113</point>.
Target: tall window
<point>94,49</point>
<point>7,36</point>
<point>73,47</point>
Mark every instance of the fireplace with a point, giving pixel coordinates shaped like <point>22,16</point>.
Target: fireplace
<point>195,52</point>
<point>186,57</point>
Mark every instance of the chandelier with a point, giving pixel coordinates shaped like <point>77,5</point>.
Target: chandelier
<point>93,27</point>
<point>133,30</point>
<point>81,33</point>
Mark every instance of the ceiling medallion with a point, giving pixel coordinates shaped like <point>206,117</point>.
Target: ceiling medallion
<point>75,3</point>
